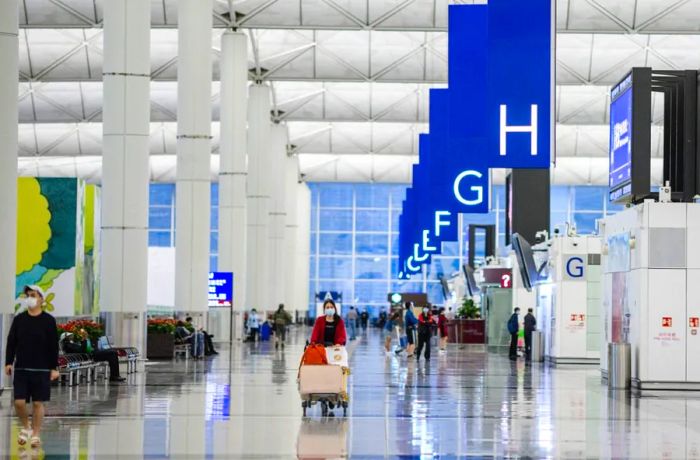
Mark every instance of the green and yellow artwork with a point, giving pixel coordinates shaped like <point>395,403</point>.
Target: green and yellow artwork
<point>50,241</point>
<point>91,279</point>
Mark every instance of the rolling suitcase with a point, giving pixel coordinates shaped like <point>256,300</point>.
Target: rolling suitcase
<point>198,345</point>
<point>265,332</point>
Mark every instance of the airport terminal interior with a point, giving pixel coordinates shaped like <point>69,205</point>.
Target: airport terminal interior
<point>322,229</point>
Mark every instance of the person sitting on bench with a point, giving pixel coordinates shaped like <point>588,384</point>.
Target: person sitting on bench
<point>81,343</point>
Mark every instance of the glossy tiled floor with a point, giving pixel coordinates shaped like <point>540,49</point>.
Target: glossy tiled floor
<point>465,403</point>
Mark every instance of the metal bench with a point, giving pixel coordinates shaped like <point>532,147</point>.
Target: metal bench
<point>181,348</point>
<point>73,367</point>
<point>130,356</point>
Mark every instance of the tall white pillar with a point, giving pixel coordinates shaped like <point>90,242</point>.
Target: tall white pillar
<point>259,180</point>
<point>9,84</point>
<point>193,189</point>
<point>278,213</point>
<point>291,226</point>
<point>303,246</point>
<point>233,170</point>
<point>125,138</point>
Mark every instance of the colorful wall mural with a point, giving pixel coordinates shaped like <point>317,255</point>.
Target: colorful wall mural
<point>50,241</point>
<point>92,223</point>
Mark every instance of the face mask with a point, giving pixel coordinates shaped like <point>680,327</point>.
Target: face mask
<point>330,312</point>
<point>425,310</point>
<point>30,302</point>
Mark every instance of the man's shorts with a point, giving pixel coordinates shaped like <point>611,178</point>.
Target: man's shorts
<point>411,335</point>
<point>32,385</point>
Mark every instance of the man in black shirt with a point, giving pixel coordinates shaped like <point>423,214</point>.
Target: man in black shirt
<point>530,326</point>
<point>32,356</point>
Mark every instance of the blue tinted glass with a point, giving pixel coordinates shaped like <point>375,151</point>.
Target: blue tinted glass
<point>398,194</point>
<point>371,268</point>
<point>314,219</point>
<point>450,248</point>
<point>559,198</point>
<point>161,194</point>
<point>335,219</point>
<point>312,270</point>
<point>558,219</point>
<point>342,286</point>
<point>407,286</point>
<point>368,244</point>
<point>589,198</point>
<point>159,217</point>
<point>336,195</point>
<point>371,291</point>
<point>395,219</point>
<point>214,242</point>
<point>372,221</point>
<point>498,200</point>
<point>215,194</point>
<point>159,239</point>
<point>586,222</point>
<point>335,243</point>
<point>613,208</point>
<point>442,267</point>
<point>214,218</point>
<point>312,243</point>
<point>372,196</point>
<point>335,267</point>
<point>435,294</point>
<point>213,263</point>
<point>394,244</point>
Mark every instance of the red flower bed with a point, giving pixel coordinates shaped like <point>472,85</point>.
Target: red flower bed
<point>93,329</point>
<point>162,325</point>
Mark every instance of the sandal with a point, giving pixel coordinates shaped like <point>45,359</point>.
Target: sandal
<point>23,436</point>
<point>36,441</point>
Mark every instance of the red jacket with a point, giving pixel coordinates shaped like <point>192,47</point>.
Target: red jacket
<point>320,329</point>
<point>442,325</point>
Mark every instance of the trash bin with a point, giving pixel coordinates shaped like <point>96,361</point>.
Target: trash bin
<point>537,346</point>
<point>619,366</point>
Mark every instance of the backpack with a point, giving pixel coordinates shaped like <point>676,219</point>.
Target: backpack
<point>513,324</point>
<point>314,354</point>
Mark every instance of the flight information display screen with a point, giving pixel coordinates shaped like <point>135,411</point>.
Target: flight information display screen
<point>621,140</point>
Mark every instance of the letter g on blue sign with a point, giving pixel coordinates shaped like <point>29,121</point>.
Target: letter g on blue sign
<point>574,267</point>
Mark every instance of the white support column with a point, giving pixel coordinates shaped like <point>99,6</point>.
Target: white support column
<point>259,180</point>
<point>193,189</point>
<point>9,84</point>
<point>125,137</point>
<point>291,185</point>
<point>303,246</point>
<point>278,213</point>
<point>234,162</point>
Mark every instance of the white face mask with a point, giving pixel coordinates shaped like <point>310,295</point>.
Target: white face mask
<point>330,312</point>
<point>425,310</point>
<point>30,302</point>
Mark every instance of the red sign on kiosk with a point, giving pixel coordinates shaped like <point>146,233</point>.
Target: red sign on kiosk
<point>694,321</point>
<point>666,321</point>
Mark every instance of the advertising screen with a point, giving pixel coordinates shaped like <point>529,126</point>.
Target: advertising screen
<point>621,140</point>
<point>220,289</point>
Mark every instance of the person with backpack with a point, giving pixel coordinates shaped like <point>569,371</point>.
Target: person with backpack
<point>329,328</point>
<point>364,319</point>
<point>281,319</point>
<point>425,332</point>
<point>513,328</point>
<point>253,325</point>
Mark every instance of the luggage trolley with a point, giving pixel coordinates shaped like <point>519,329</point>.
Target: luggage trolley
<point>325,384</point>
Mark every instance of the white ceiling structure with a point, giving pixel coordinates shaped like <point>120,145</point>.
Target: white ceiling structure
<point>350,79</point>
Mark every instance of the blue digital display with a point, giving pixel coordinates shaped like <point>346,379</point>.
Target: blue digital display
<point>621,139</point>
<point>220,289</point>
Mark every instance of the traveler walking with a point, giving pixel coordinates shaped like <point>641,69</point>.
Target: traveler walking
<point>530,325</point>
<point>364,319</point>
<point>281,319</point>
<point>425,332</point>
<point>513,327</point>
<point>253,325</point>
<point>352,323</point>
<point>32,360</point>
<point>329,328</point>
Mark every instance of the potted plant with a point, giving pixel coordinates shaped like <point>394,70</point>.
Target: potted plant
<point>468,310</point>
<point>160,343</point>
<point>470,327</point>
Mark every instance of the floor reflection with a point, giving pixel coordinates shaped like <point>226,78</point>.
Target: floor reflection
<point>469,402</point>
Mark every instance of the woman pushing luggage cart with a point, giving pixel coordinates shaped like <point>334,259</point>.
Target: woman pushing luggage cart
<point>323,373</point>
